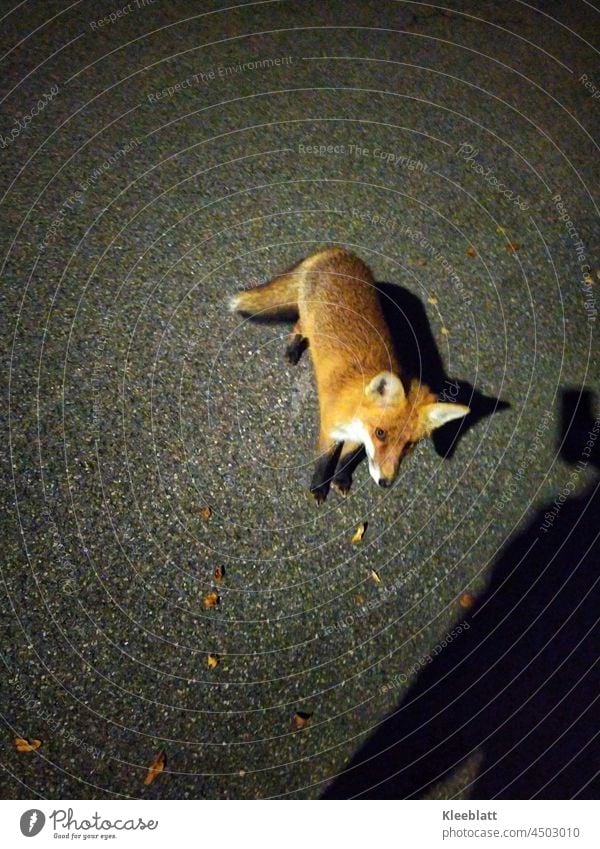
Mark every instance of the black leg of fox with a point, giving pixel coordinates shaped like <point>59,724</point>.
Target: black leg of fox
<point>342,479</point>
<point>296,347</point>
<point>323,472</point>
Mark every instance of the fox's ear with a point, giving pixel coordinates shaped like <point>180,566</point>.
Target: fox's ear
<point>433,416</point>
<point>385,388</point>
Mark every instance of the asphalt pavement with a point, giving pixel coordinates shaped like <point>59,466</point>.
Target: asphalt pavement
<point>156,158</point>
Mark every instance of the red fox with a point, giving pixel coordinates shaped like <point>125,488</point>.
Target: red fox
<point>365,405</point>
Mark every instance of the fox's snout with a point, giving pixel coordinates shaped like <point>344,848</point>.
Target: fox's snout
<point>386,471</point>
<point>384,465</point>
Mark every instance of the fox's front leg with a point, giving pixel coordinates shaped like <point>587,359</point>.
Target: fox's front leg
<point>329,452</point>
<point>351,455</point>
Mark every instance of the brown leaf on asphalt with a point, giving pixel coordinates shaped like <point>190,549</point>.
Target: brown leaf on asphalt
<point>432,300</point>
<point>444,331</point>
<point>466,600</point>
<point>206,512</point>
<point>24,745</point>
<point>156,767</point>
<point>212,661</point>
<point>219,573</point>
<point>471,251</point>
<point>211,599</point>
<point>512,247</point>
<point>359,532</point>
<point>301,719</point>
<point>421,261</point>
<point>375,577</point>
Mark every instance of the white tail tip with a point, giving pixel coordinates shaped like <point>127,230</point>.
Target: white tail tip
<point>233,303</point>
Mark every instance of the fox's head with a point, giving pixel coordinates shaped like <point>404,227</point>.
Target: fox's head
<point>392,422</point>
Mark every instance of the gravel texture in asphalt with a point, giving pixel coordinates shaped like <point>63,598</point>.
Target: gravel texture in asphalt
<point>156,158</point>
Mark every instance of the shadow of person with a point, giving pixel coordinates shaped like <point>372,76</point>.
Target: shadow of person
<point>419,355</point>
<point>520,684</point>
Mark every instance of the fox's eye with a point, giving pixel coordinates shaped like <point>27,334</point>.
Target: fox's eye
<point>380,433</point>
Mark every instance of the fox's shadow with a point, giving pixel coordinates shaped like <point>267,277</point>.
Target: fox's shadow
<point>521,684</point>
<point>419,355</point>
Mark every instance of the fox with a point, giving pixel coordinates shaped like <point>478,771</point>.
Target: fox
<point>367,405</point>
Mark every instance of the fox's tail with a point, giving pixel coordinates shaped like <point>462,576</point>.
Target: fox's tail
<point>276,299</point>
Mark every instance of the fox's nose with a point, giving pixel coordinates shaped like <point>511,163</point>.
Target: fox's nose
<point>384,482</point>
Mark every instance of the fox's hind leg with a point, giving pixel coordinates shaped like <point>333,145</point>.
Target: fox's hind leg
<point>352,454</point>
<point>297,345</point>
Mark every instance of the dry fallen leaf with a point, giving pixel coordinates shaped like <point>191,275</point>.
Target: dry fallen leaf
<point>512,247</point>
<point>211,599</point>
<point>500,230</point>
<point>421,261</point>
<point>360,532</point>
<point>301,719</point>
<point>432,300</point>
<point>471,251</point>
<point>444,331</point>
<point>23,745</point>
<point>375,577</point>
<point>219,573</point>
<point>156,767</point>
<point>588,278</point>
<point>212,661</point>
<point>466,600</point>
<point>206,512</point>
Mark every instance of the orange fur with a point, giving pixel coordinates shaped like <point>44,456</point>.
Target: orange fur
<point>362,396</point>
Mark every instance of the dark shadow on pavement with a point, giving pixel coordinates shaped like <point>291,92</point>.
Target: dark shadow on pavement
<point>418,353</point>
<point>520,685</point>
